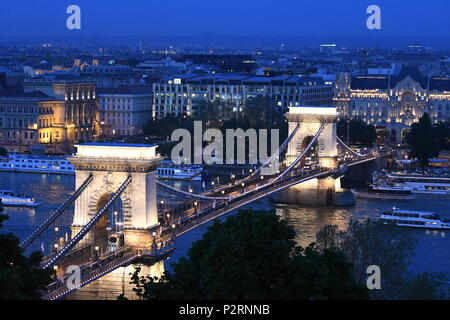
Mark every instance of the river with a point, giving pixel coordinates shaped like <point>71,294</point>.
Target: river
<point>431,252</point>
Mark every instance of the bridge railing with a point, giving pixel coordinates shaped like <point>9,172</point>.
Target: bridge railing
<point>276,154</point>
<point>77,238</point>
<point>44,226</point>
<point>302,155</point>
<point>91,272</point>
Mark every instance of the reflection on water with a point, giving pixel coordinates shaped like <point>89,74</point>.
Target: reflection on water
<point>307,221</point>
<point>110,286</point>
<point>50,190</point>
<point>431,252</point>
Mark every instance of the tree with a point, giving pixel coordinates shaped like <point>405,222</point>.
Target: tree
<point>209,113</point>
<point>3,152</point>
<point>21,277</point>
<point>366,244</point>
<point>358,130</point>
<point>426,286</point>
<point>163,128</point>
<point>253,255</point>
<point>262,112</point>
<point>442,132</point>
<point>422,140</point>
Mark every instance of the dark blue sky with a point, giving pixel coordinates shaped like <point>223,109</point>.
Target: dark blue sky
<point>230,17</point>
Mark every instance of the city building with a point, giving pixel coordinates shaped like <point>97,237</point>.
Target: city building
<point>179,94</point>
<point>164,67</point>
<point>19,118</point>
<point>69,114</point>
<point>393,102</point>
<point>108,76</point>
<point>124,110</point>
<point>224,63</point>
<point>328,48</point>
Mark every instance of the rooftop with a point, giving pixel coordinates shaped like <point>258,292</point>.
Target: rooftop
<point>313,111</point>
<point>105,151</point>
<point>19,93</point>
<point>312,107</point>
<point>384,82</point>
<point>125,90</point>
<point>245,79</point>
<point>117,145</point>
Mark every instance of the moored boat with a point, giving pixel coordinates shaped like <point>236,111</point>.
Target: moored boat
<point>385,193</point>
<point>9,198</point>
<point>414,219</point>
<point>169,171</point>
<point>16,162</point>
<point>429,182</point>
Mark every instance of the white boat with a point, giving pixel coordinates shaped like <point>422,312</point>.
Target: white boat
<point>169,171</point>
<point>385,193</point>
<point>425,183</point>
<point>415,219</point>
<point>16,162</point>
<point>10,199</point>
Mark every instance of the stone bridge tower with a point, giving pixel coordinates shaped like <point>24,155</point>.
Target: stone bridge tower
<point>111,164</point>
<point>310,119</point>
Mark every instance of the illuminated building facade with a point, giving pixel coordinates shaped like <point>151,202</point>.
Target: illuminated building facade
<point>69,114</point>
<point>393,102</point>
<point>179,94</point>
<point>19,113</point>
<point>123,111</point>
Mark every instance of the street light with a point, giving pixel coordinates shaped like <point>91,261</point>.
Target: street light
<point>348,130</point>
<point>56,229</point>
<point>154,240</point>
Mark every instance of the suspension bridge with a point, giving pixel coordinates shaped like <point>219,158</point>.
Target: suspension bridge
<point>116,220</point>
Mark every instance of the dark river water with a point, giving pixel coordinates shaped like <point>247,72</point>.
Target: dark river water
<point>431,254</point>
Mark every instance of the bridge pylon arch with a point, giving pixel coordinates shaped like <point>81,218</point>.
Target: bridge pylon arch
<point>310,119</point>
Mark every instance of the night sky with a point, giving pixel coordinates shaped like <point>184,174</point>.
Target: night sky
<point>230,17</point>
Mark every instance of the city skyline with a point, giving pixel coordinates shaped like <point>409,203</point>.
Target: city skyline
<point>224,150</point>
